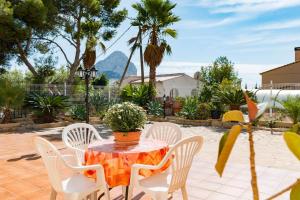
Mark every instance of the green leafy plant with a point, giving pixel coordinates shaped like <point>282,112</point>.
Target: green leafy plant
<point>232,97</point>
<point>46,107</point>
<point>78,112</point>
<point>12,93</point>
<point>296,128</point>
<point>140,95</point>
<point>102,80</point>
<point>292,108</point>
<point>155,108</point>
<point>125,117</point>
<point>203,111</point>
<point>190,108</point>
<point>99,102</point>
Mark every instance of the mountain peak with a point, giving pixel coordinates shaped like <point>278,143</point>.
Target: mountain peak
<point>114,64</point>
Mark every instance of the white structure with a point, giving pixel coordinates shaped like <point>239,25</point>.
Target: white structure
<point>172,85</point>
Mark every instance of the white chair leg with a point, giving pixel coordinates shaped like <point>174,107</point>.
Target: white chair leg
<point>94,196</point>
<point>124,190</point>
<point>106,193</point>
<point>53,194</point>
<point>184,193</point>
<point>130,192</point>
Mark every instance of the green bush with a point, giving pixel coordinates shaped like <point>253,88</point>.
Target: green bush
<point>125,117</point>
<point>155,108</point>
<point>190,108</point>
<point>203,111</point>
<point>99,102</point>
<point>46,107</point>
<point>295,128</point>
<point>292,108</point>
<point>78,112</point>
<point>140,95</point>
<point>12,93</point>
<point>102,80</point>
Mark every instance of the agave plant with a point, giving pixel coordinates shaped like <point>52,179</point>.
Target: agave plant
<point>46,107</point>
<point>140,95</point>
<point>228,139</point>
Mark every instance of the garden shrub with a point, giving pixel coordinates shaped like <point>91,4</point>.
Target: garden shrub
<point>203,111</point>
<point>78,112</point>
<point>12,93</point>
<point>46,107</point>
<point>292,108</point>
<point>140,95</point>
<point>155,108</point>
<point>190,108</point>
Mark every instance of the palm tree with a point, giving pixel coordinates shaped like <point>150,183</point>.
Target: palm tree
<point>155,18</point>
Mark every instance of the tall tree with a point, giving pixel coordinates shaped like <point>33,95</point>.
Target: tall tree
<point>155,18</point>
<point>40,25</point>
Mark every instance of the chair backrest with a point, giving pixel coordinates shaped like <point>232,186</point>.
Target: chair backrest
<point>165,131</point>
<point>78,136</point>
<point>182,155</point>
<point>52,160</point>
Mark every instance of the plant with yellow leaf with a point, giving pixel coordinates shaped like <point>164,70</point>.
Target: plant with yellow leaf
<point>228,139</point>
<point>293,142</point>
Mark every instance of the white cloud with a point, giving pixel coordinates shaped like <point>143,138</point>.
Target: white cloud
<point>247,6</point>
<point>278,25</point>
<point>195,24</point>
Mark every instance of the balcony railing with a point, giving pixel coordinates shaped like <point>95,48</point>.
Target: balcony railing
<point>282,86</point>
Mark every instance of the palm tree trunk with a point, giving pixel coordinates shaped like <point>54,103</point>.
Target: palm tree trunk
<point>141,57</point>
<point>130,56</point>
<point>252,164</point>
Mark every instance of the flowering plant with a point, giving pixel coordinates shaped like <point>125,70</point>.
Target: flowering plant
<point>125,117</point>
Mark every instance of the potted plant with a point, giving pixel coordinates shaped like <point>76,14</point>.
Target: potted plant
<point>126,120</point>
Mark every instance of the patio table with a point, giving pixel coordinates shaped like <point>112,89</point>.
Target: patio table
<point>118,159</point>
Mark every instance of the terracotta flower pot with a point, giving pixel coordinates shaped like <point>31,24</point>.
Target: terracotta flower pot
<point>127,137</point>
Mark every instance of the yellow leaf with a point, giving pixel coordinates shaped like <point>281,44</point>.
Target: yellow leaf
<point>295,192</point>
<point>222,142</point>
<point>293,142</point>
<point>227,147</point>
<point>233,115</point>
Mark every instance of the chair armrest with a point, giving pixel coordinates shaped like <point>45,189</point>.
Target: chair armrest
<point>70,159</point>
<point>86,167</point>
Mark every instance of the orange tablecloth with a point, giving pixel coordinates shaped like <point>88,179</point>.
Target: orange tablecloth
<point>117,161</point>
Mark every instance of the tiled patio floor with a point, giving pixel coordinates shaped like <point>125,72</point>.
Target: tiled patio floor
<point>23,176</point>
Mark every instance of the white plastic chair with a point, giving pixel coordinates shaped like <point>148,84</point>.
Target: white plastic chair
<point>77,186</point>
<point>159,186</point>
<point>78,136</point>
<point>165,131</point>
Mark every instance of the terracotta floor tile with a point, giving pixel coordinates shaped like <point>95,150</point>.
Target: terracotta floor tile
<point>20,187</point>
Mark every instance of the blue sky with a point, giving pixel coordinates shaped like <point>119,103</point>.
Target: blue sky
<point>255,34</point>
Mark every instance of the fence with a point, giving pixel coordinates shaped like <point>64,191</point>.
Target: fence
<point>75,94</point>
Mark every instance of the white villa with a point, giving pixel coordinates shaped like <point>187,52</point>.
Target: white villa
<point>173,85</point>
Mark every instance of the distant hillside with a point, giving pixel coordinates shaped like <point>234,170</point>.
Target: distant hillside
<point>114,64</point>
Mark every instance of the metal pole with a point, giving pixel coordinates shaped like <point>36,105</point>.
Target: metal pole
<point>271,88</point>
<point>87,97</point>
